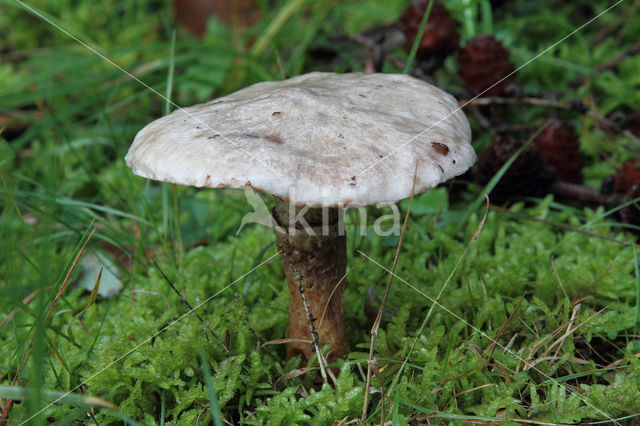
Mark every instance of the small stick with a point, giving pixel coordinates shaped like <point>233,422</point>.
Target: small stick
<point>584,194</point>
<point>226,349</point>
<point>528,100</point>
<point>611,63</point>
<point>315,341</point>
<point>563,226</point>
<point>393,59</point>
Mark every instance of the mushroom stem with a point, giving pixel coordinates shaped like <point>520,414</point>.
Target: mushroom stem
<point>311,244</point>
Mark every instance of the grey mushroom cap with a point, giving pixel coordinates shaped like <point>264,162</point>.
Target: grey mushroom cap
<point>318,139</point>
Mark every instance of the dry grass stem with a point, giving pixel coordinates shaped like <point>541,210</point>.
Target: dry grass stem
<point>63,286</point>
<point>191,309</point>
<point>376,323</point>
<point>324,311</point>
<point>555,272</point>
<point>494,341</point>
<point>281,341</point>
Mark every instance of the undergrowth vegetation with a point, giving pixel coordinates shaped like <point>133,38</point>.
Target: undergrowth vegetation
<point>536,319</point>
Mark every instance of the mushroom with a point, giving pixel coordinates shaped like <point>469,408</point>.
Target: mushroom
<point>318,142</point>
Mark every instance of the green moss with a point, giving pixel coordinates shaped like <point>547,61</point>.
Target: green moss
<point>568,353</point>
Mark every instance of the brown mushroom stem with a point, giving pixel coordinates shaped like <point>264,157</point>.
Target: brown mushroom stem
<point>317,250</point>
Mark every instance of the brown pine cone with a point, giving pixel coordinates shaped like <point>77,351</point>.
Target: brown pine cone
<point>631,213</point>
<point>559,146</point>
<point>440,35</point>
<point>529,175</point>
<point>483,62</point>
<point>193,14</point>
<point>626,178</point>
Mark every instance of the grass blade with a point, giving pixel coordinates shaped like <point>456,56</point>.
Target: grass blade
<point>18,393</point>
<point>211,392</point>
<point>418,39</point>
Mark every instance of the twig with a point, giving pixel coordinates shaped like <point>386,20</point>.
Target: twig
<point>376,323</point>
<point>482,120</point>
<point>226,349</point>
<point>373,47</point>
<point>584,194</point>
<point>576,106</point>
<point>611,63</point>
<point>315,341</point>
<point>527,100</point>
<point>563,226</point>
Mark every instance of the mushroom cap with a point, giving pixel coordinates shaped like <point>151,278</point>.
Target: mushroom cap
<point>319,139</point>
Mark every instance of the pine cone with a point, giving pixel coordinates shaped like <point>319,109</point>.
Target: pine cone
<point>626,178</point>
<point>440,35</point>
<point>527,176</point>
<point>559,146</point>
<point>193,14</point>
<point>626,181</point>
<point>484,62</point>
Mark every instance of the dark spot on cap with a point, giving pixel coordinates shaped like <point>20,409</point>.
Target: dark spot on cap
<point>276,113</point>
<point>381,156</point>
<point>207,180</point>
<point>440,167</point>
<point>454,161</point>
<point>340,136</point>
<point>271,138</point>
<point>275,139</point>
<point>440,148</point>
<point>213,137</point>
<point>353,181</point>
<point>197,127</point>
<point>361,95</point>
